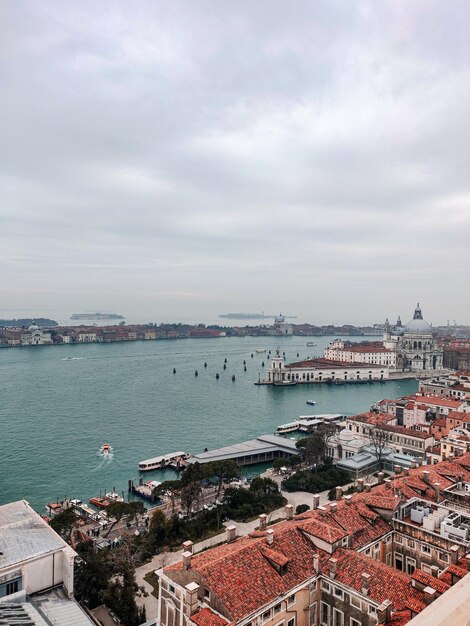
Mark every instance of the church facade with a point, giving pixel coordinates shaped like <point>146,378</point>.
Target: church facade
<point>414,344</point>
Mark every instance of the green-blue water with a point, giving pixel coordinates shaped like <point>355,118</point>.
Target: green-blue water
<point>56,413</point>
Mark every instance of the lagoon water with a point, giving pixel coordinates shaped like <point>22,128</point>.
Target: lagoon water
<point>59,404</point>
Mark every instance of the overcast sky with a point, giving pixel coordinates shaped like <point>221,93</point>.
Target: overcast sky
<point>176,160</point>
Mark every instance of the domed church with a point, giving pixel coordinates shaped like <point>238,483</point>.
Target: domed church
<point>414,343</point>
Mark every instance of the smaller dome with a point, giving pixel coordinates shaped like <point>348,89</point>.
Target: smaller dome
<point>33,327</point>
<point>345,435</point>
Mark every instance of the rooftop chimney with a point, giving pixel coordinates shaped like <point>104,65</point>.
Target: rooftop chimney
<point>413,464</point>
<point>437,487</point>
<point>384,612</point>
<point>191,598</point>
<point>338,493</point>
<point>429,595</point>
<point>316,563</point>
<point>406,471</point>
<point>348,499</point>
<point>388,483</point>
<point>365,583</point>
<point>322,510</point>
<point>263,521</point>
<point>188,546</point>
<point>289,511</point>
<point>316,502</point>
<point>367,487</point>
<point>434,571</point>
<point>425,476</point>
<point>397,469</point>
<point>333,507</point>
<point>454,554</point>
<point>231,533</point>
<point>187,560</point>
<point>270,536</point>
<point>380,477</point>
<point>360,484</point>
<point>333,563</point>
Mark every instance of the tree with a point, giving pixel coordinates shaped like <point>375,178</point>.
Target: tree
<point>317,445</point>
<point>379,439</point>
<point>301,508</point>
<point>171,487</point>
<point>222,470</point>
<point>64,522</point>
<point>92,574</point>
<point>190,495</point>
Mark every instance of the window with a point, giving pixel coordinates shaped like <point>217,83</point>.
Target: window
<point>355,601</point>
<point>338,618</point>
<point>266,616</point>
<point>291,599</point>
<point>338,592</point>
<point>325,586</point>
<point>354,622</point>
<point>399,539</point>
<point>171,589</point>
<point>11,587</point>
<point>277,608</point>
<point>325,614</point>
<point>425,548</point>
<point>411,543</point>
<point>291,622</point>
<point>443,556</point>
<point>372,610</point>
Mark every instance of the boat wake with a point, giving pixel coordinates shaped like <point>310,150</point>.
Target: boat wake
<point>105,460</point>
<point>72,358</point>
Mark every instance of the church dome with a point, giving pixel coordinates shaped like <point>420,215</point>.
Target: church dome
<point>418,326</point>
<point>33,327</point>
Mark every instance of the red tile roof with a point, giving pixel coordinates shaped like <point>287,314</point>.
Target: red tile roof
<point>207,617</point>
<point>386,583</point>
<point>430,581</point>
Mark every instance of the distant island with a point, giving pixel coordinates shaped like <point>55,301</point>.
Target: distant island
<point>96,316</point>
<point>42,322</point>
<point>251,316</point>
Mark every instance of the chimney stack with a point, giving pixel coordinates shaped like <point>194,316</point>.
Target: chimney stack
<point>333,563</point>
<point>406,471</point>
<point>434,571</point>
<point>397,469</point>
<point>454,554</point>
<point>316,563</point>
<point>289,511</point>
<point>270,536</point>
<point>263,521</point>
<point>191,598</point>
<point>425,476</point>
<point>388,483</point>
<point>365,583</point>
<point>333,507</point>
<point>187,556</point>
<point>437,487</point>
<point>413,464</point>
<point>323,511</point>
<point>316,502</point>
<point>367,487</point>
<point>429,595</point>
<point>380,477</point>
<point>384,612</point>
<point>231,533</point>
<point>360,484</point>
<point>348,499</point>
<point>188,546</point>
<point>338,493</point>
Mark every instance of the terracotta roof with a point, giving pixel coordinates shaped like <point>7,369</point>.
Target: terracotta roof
<point>430,581</point>
<point>207,617</point>
<point>386,583</point>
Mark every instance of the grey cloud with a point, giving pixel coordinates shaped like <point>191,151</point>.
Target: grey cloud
<point>272,155</point>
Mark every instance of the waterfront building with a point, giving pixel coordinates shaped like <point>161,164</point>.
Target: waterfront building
<point>322,370</point>
<point>35,336</point>
<point>455,385</point>
<point>380,556</point>
<point>370,352</point>
<point>282,327</point>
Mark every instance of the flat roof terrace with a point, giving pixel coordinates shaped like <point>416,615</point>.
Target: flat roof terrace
<point>262,449</point>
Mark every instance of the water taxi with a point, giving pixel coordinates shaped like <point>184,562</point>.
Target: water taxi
<point>311,344</point>
<point>312,402</point>
<point>261,351</point>
<point>105,448</point>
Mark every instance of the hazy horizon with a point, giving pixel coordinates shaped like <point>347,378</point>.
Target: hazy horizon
<point>178,160</point>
